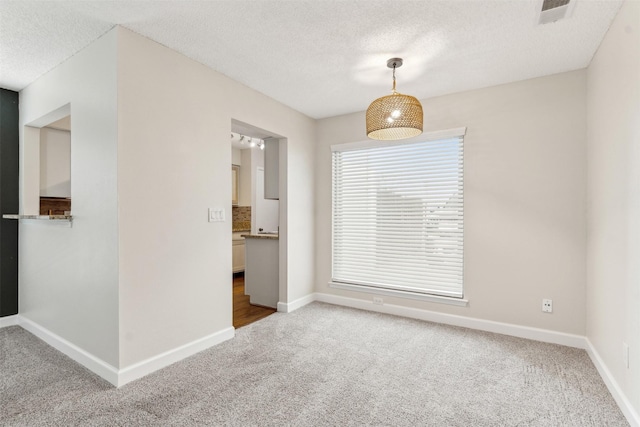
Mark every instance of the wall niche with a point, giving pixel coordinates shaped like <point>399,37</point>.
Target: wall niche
<point>55,168</point>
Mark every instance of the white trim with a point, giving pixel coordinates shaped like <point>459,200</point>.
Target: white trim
<point>423,137</point>
<point>138,370</point>
<point>527,332</point>
<point>401,294</point>
<point>162,360</point>
<point>145,367</point>
<point>614,388</point>
<point>285,307</point>
<point>86,359</point>
<point>9,321</point>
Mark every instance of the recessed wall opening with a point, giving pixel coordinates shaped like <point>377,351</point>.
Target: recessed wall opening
<point>55,168</point>
<point>46,168</point>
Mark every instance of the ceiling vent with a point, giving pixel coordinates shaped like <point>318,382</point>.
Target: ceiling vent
<point>555,10</point>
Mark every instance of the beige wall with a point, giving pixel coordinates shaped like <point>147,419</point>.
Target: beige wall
<point>142,271</point>
<point>236,156</point>
<point>246,188</point>
<point>525,181</point>
<point>69,275</point>
<point>174,119</point>
<point>613,249</point>
<point>55,162</point>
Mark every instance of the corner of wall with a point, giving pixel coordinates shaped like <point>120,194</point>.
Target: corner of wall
<point>613,239</point>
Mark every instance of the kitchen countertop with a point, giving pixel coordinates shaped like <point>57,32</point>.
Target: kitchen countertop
<point>261,236</point>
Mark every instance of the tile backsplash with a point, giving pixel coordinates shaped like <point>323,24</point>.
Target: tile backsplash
<point>241,218</point>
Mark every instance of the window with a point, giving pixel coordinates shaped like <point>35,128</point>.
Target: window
<point>398,215</point>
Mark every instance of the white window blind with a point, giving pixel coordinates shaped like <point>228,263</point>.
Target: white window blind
<point>398,216</point>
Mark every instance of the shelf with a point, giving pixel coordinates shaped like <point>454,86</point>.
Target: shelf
<point>68,218</point>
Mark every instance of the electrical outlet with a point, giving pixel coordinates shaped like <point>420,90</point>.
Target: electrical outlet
<point>547,306</point>
<point>625,354</point>
<point>378,301</point>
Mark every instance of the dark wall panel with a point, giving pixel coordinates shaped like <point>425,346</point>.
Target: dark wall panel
<point>9,163</point>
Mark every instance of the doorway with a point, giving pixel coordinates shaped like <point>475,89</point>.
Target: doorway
<point>253,216</point>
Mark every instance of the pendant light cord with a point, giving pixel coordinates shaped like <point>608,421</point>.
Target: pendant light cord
<point>394,77</point>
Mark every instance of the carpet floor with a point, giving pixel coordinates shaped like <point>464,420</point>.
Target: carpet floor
<point>321,365</point>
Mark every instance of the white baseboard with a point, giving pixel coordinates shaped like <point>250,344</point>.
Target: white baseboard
<point>284,307</point>
<point>536,334</point>
<point>123,376</point>
<point>86,359</point>
<point>8,321</point>
<point>170,357</point>
<point>614,388</point>
<point>145,367</point>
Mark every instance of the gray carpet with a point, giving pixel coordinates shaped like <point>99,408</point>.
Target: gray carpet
<point>320,365</point>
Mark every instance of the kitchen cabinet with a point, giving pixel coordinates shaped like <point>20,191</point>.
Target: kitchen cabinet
<point>271,168</point>
<point>261,276</point>
<point>238,253</point>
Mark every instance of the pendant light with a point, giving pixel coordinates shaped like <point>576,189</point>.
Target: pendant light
<point>394,116</point>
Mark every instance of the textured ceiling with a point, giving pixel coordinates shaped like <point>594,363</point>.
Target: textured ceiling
<point>321,57</point>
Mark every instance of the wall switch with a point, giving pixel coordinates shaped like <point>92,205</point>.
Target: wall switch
<point>625,354</point>
<point>216,215</point>
<point>547,306</point>
<point>378,301</point>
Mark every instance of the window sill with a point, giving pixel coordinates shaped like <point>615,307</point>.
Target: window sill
<point>401,294</point>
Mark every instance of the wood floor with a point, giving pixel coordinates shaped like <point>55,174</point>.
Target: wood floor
<point>243,312</point>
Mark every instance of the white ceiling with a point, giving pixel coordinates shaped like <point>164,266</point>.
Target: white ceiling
<point>322,57</point>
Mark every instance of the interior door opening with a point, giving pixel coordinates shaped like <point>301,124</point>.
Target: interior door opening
<point>255,225</point>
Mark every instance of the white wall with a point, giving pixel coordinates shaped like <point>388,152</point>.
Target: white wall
<point>141,271</point>
<point>55,163</point>
<point>175,267</point>
<point>266,210</point>
<point>525,185</point>
<point>613,248</point>
<point>244,198</point>
<point>62,124</point>
<point>257,161</point>
<point>236,156</point>
<point>68,276</point>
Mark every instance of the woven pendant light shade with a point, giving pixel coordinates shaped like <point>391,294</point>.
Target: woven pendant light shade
<point>394,116</point>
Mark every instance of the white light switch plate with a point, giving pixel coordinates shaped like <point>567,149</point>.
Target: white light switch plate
<point>216,215</point>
